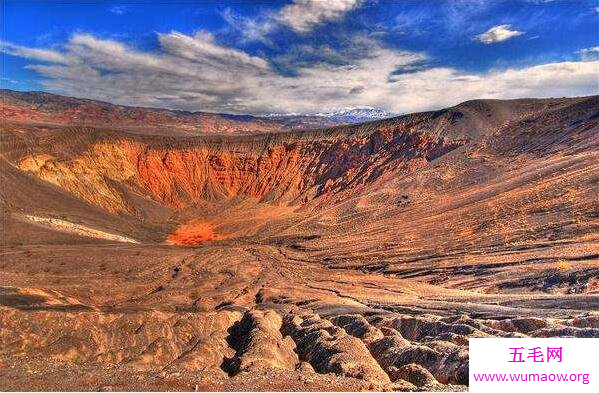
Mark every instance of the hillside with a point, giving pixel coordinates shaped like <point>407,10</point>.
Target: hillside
<point>41,107</point>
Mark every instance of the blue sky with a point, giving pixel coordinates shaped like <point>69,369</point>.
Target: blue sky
<point>301,55</point>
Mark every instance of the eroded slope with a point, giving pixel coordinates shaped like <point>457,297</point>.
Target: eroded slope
<point>180,173</point>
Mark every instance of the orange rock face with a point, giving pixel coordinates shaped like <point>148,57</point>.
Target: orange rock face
<point>193,234</point>
<point>287,169</point>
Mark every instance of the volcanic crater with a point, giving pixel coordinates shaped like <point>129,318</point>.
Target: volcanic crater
<point>347,258</point>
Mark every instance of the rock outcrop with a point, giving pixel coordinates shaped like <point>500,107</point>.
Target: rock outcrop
<point>329,348</point>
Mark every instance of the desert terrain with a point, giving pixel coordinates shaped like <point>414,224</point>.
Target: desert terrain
<point>149,249</point>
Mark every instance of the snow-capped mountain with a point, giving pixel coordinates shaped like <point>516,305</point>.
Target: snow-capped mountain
<point>356,115</point>
<point>321,119</point>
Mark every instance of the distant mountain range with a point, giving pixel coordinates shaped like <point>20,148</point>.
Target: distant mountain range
<point>357,114</point>
<point>343,116</point>
<point>44,107</point>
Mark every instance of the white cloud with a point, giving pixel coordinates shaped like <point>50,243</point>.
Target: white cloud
<point>303,15</point>
<point>32,53</point>
<point>588,54</point>
<point>119,9</point>
<point>3,79</point>
<point>202,47</point>
<point>197,73</point>
<point>498,34</point>
<point>440,87</point>
<point>251,29</point>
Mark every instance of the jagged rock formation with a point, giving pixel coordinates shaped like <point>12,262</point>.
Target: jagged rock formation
<point>354,258</point>
<point>259,344</point>
<point>330,349</point>
<point>222,344</point>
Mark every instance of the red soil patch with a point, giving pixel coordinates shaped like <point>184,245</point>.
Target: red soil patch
<point>193,234</point>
